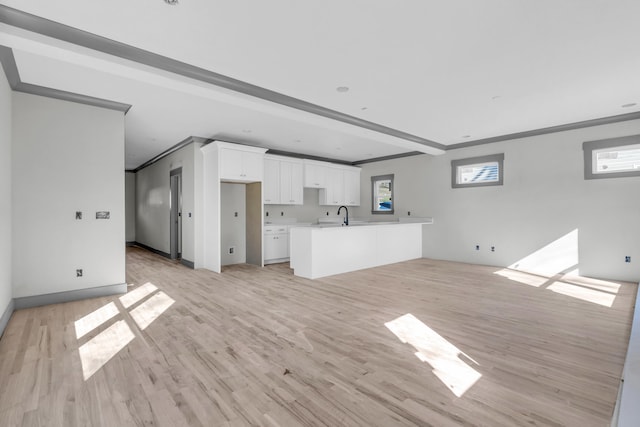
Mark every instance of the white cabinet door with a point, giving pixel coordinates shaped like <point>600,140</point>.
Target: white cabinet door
<point>276,246</point>
<point>231,164</point>
<point>238,165</point>
<point>291,190</point>
<point>352,187</point>
<point>253,166</point>
<point>333,194</point>
<point>271,187</point>
<point>297,182</point>
<point>314,175</point>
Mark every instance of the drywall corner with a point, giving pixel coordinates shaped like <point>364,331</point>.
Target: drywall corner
<point>6,135</point>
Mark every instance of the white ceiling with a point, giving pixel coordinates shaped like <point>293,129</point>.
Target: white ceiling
<point>445,71</point>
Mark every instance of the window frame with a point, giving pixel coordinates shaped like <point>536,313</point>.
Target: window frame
<point>589,147</point>
<point>455,164</point>
<point>374,179</point>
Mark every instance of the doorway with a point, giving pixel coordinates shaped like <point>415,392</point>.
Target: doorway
<point>176,214</point>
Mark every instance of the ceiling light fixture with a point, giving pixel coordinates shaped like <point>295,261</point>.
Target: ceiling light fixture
<point>466,136</point>
<point>171,2</point>
<point>631,104</point>
<point>246,130</point>
<point>342,89</point>
<point>364,108</point>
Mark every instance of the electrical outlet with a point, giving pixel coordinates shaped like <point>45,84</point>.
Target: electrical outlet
<point>493,248</point>
<point>79,272</point>
<point>235,214</point>
<point>409,213</point>
<point>281,213</point>
<point>327,213</point>
<point>477,247</point>
<point>232,249</point>
<point>267,213</point>
<point>103,215</point>
<point>627,258</point>
<point>78,215</point>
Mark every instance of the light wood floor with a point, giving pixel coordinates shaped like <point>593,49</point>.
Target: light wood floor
<point>262,347</point>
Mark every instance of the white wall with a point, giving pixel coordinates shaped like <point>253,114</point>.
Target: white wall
<point>67,157</point>
<point>153,202</point>
<point>544,197</point>
<point>5,193</point>
<point>130,206</point>
<point>233,230</point>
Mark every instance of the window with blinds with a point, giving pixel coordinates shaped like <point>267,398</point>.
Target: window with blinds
<point>612,158</point>
<point>477,171</point>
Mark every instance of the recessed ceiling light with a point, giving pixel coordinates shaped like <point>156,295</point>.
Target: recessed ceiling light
<point>171,2</point>
<point>364,108</point>
<point>297,140</point>
<point>496,97</point>
<point>631,104</point>
<point>466,136</point>
<point>342,89</point>
<point>338,148</point>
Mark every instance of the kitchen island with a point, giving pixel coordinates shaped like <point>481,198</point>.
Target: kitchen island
<point>324,251</point>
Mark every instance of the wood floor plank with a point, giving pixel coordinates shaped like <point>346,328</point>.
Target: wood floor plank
<point>260,347</point>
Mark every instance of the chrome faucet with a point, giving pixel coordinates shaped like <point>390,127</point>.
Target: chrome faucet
<point>346,219</point>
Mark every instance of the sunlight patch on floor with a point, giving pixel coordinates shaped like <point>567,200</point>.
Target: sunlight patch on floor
<point>600,285</point>
<point>583,293</point>
<point>522,277</point>
<point>130,298</point>
<point>437,352</point>
<point>94,319</point>
<point>100,349</point>
<point>96,352</point>
<point>151,309</point>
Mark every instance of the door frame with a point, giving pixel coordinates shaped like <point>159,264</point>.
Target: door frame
<point>175,215</point>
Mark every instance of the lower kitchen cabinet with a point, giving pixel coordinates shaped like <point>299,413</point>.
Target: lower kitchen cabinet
<point>276,243</point>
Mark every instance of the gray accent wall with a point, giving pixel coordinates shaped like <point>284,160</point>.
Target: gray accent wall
<point>66,157</point>
<point>545,197</point>
<point>6,294</point>
<point>152,211</point>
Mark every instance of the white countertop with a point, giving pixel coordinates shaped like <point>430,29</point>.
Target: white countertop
<point>333,223</point>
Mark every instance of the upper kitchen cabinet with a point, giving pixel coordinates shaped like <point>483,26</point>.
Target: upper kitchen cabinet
<point>352,187</point>
<point>291,177</point>
<point>283,180</point>
<point>271,185</point>
<point>241,163</point>
<point>315,174</point>
<point>343,186</point>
